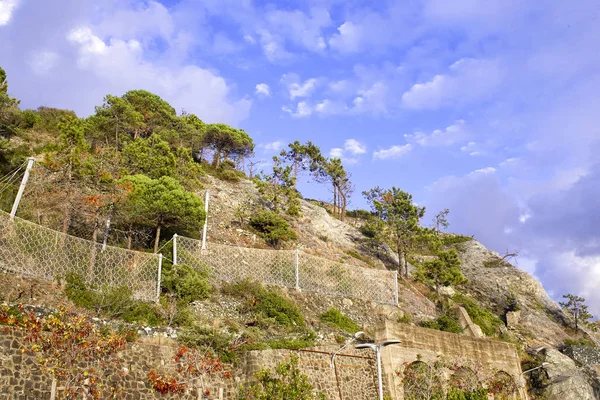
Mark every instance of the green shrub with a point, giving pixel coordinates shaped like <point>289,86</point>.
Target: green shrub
<point>487,321</point>
<point>307,340</point>
<point>448,240</point>
<point>110,302</point>
<point>264,302</point>
<point>187,283</point>
<point>459,394</point>
<point>360,214</point>
<point>368,230</point>
<point>287,382</point>
<point>142,313</point>
<point>202,337</point>
<point>446,323</point>
<point>579,342</point>
<point>405,318</point>
<point>228,175</point>
<point>272,227</point>
<point>336,319</point>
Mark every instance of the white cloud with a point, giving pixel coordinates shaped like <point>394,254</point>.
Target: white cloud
<point>271,146</point>
<point>262,89</point>
<point>393,152</point>
<point>249,39</point>
<point>336,152</point>
<point>348,39</point>
<point>473,149</point>
<point>303,109</point>
<point>301,29</point>
<point>467,80</point>
<point>7,7</point>
<point>298,89</point>
<point>120,66</point>
<point>331,107</point>
<point>354,146</point>
<point>273,47</point>
<point>447,137</point>
<point>43,62</point>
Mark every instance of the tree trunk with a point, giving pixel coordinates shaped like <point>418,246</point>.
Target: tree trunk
<point>67,216</point>
<point>157,239</point>
<point>129,241</point>
<point>93,251</point>
<point>334,200</point>
<point>217,159</point>
<point>295,172</point>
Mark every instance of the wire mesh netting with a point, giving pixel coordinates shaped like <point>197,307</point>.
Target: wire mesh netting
<point>35,251</point>
<point>290,269</point>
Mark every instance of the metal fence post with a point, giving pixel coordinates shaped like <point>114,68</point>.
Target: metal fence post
<point>13,212</point>
<point>205,221</point>
<point>396,288</point>
<point>175,249</point>
<point>297,265</point>
<point>160,257</point>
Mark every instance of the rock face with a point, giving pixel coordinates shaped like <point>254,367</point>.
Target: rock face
<point>567,381</point>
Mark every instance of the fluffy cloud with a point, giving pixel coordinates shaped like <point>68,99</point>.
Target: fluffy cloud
<point>393,152</point>
<point>450,135</point>
<point>262,89</point>
<point>336,152</point>
<point>355,147</point>
<point>7,8</point>
<point>302,29</point>
<point>112,54</point>
<point>467,80</point>
<point>271,146</point>
<point>298,89</point>
<point>303,109</point>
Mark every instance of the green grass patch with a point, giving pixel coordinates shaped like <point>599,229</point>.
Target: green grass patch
<point>446,323</point>
<point>487,321</point>
<point>335,318</point>
<point>265,302</point>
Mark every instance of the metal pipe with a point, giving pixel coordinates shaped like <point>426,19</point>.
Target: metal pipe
<point>205,221</point>
<point>13,212</point>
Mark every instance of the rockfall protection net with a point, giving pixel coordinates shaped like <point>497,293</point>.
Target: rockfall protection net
<point>32,250</point>
<point>290,269</point>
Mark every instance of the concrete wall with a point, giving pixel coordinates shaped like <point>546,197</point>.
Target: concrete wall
<point>428,344</point>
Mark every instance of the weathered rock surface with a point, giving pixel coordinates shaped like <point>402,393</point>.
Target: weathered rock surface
<point>567,381</point>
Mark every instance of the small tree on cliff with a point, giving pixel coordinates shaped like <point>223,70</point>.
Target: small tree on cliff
<point>444,270</point>
<point>400,216</point>
<point>577,308</point>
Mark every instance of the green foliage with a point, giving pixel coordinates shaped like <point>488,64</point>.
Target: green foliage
<point>449,240</point>
<point>286,383</point>
<point>162,202</point>
<point>307,340</point>
<point>264,302</point>
<point>149,157</point>
<point>405,318</point>
<point>226,141</point>
<point>446,323</point>
<point>488,322</point>
<point>579,342</point>
<point>577,307</point>
<point>205,338</point>
<point>360,214</point>
<point>400,216</point>
<point>441,220</point>
<point>278,188</point>
<point>110,302</point>
<point>335,318</point>
<point>444,270</point>
<point>272,227</point>
<point>358,256</point>
<point>459,394</point>
<point>187,283</point>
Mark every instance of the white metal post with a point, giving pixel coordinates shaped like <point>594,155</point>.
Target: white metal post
<point>297,268</point>
<point>13,212</point>
<point>205,221</point>
<point>379,380</point>
<point>396,288</point>
<point>175,249</point>
<point>107,229</point>
<point>160,257</point>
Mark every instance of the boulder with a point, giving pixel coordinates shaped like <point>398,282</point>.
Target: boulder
<point>567,381</point>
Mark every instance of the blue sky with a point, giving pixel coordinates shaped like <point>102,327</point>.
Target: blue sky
<point>489,108</point>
